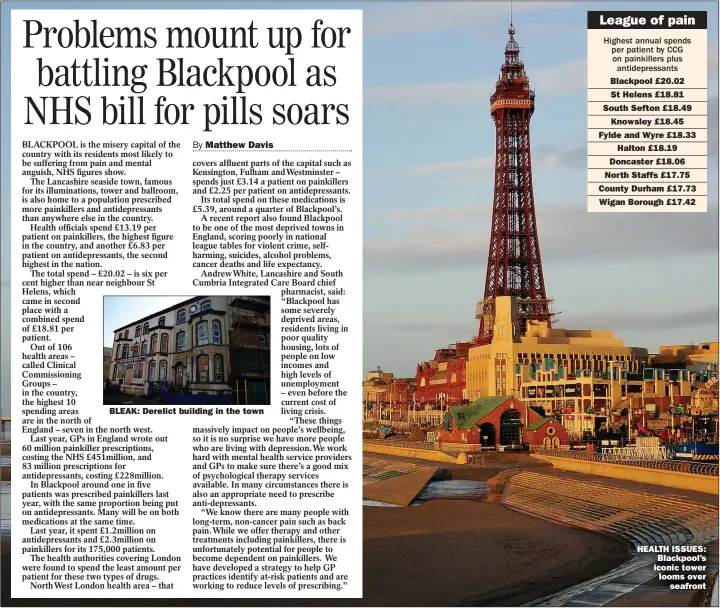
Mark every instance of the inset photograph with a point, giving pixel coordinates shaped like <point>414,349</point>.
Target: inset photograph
<point>199,350</point>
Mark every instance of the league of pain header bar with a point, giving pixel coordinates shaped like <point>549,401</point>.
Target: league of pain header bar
<point>642,20</point>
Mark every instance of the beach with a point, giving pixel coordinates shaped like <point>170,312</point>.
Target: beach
<point>442,553</point>
<point>456,552</point>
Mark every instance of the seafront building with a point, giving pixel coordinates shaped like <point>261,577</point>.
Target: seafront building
<point>107,358</point>
<point>579,375</point>
<point>698,358</point>
<point>587,379</point>
<point>206,346</point>
<point>491,421</point>
<point>383,390</point>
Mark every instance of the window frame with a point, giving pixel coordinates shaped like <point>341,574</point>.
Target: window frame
<point>204,326</point>
<point>218,370</point>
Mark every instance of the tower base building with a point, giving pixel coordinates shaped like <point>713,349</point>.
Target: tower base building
<point>583,374</point>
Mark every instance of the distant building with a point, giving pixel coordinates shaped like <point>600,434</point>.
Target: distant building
<point>249,337</point>
<point>441,382</point>
<point>107,359</point>
<point>401,393</point>
<point>696,357</point>
<point>381,390</point>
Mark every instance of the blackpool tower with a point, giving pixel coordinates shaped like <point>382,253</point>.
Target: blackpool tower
<point>514,267</point>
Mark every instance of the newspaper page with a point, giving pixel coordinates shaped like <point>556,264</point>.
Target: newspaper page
<point>185,181</point>
<point>359,304</point>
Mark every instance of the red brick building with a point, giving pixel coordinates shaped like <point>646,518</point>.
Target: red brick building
<point>441,381</point>
<point>400,393</point>
<point>491,421</point>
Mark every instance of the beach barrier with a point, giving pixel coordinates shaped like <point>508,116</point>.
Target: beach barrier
<point>395,449</point>
<point>414,445</point>
<point>616,457</point>
<point>697,477</point>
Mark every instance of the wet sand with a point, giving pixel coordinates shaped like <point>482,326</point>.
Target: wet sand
<point>450,553</point>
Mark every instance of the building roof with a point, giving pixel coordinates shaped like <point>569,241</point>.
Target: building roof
<point>465,417</point>
<point>160,312</point>
<point>536,424</point>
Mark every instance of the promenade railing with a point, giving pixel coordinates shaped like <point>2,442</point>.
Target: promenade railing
<point>413,445</point>
<point>611,457</point>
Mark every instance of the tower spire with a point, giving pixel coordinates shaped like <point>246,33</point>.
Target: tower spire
<point>514,266</point>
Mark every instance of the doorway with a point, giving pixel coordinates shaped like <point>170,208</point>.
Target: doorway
<point>487,434</point>
<point>510,425</point>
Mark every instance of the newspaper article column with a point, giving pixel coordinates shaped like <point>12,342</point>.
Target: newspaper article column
<point>206,160</point>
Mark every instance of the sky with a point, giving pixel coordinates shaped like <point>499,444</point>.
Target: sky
<point>429,70</point>
<point>121,310</point>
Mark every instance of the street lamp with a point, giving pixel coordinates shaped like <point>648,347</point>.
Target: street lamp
<point>672,407</point>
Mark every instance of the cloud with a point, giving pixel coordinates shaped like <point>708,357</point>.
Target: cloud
<point>459,328</point>
<point>470,165</point>
<point>630,320</point>
<point>643,320</point>
<point>544,156</point>
<point>592,237</point>
<point>454,212</point>
<point>408,18</point>
<point>567,77</point>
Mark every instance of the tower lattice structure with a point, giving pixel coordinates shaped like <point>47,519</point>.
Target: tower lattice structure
<point>514,267</point>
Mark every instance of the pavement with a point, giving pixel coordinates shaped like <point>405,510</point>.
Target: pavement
<point>635,583</point>
<point>123,399</point>
<point>701,497</point>
<point>394,481</point>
